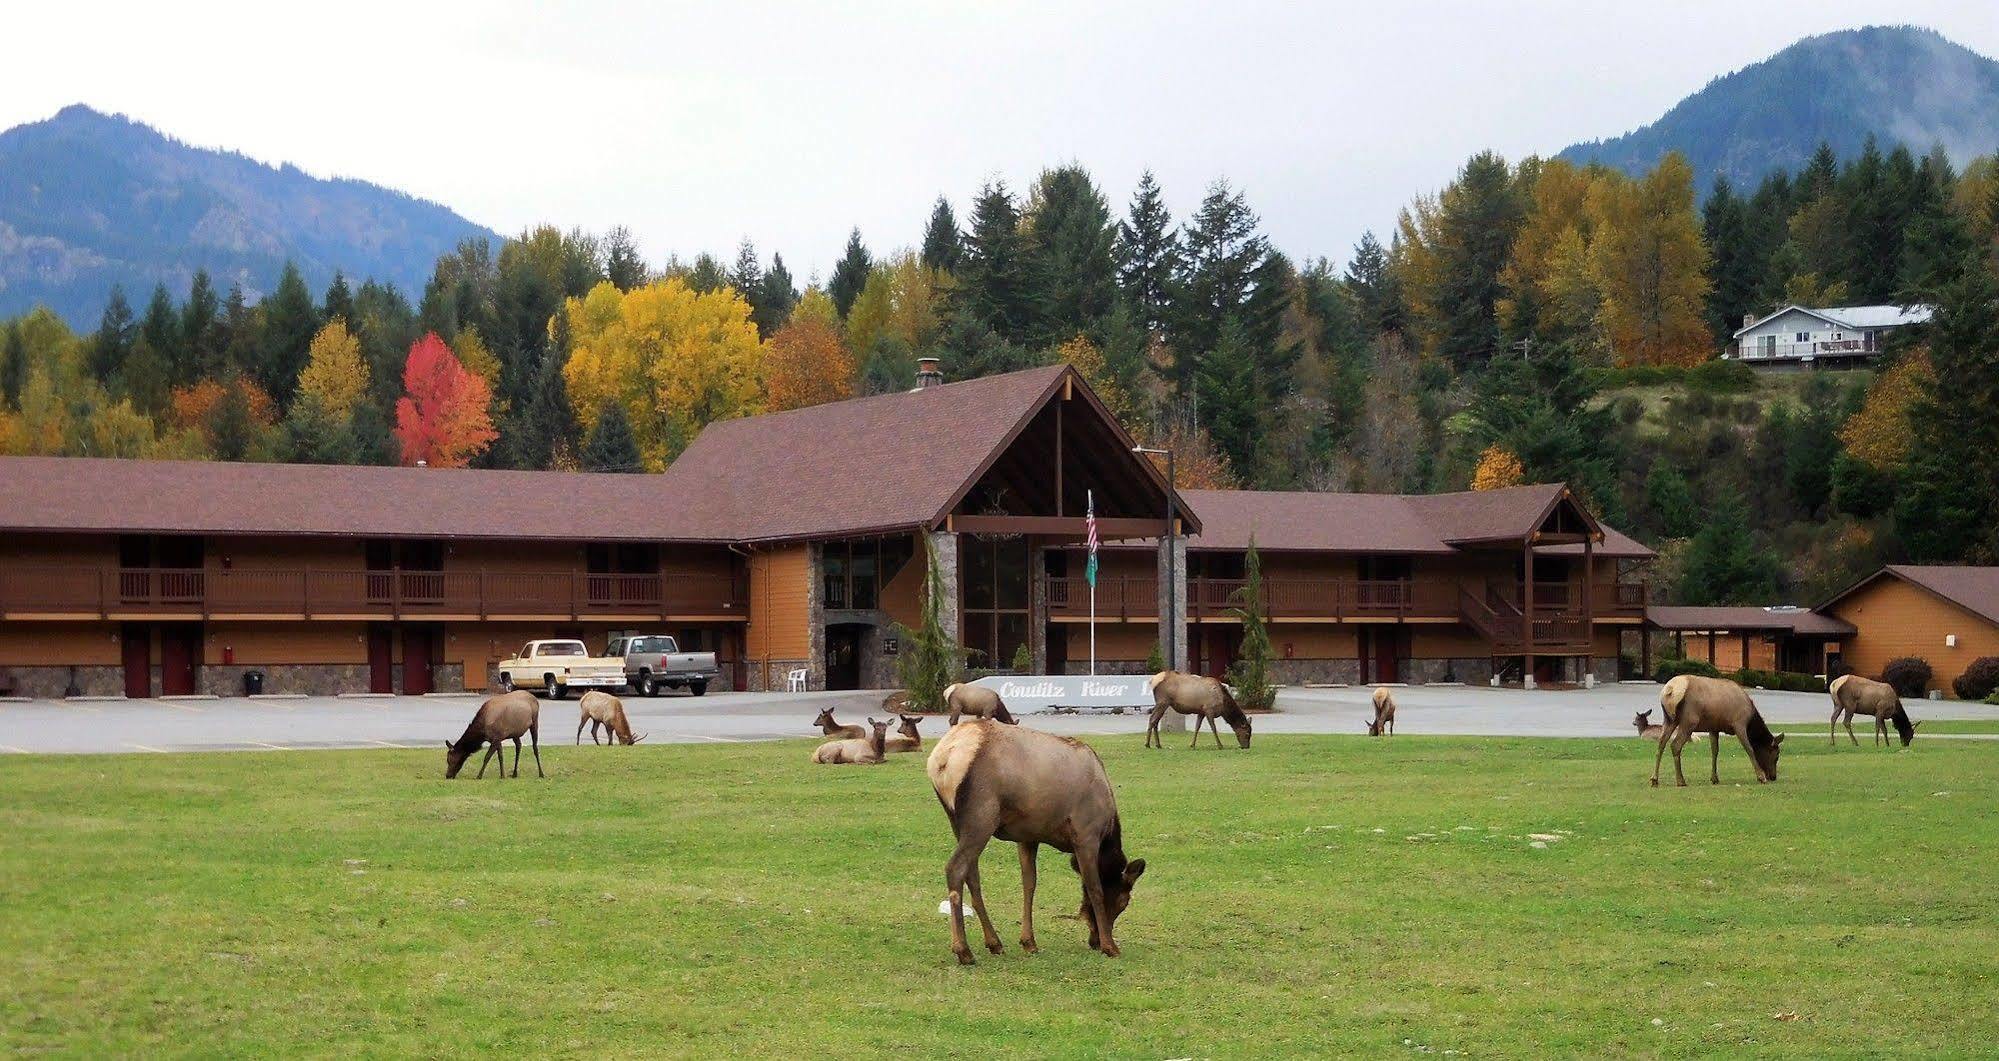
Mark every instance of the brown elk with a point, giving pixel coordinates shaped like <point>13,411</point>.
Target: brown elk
<point>1197,695</point>
<point>1032,788</point>
<point>865,752</point>
<point>1384,714</point>
<point>906,739</point>
<point>834,729</point>
<point>1646,729</point>
<point>501,718</point>
<point>599,708</point>
<point>978,702</point>
<point>1692,703</point>
<point>1854,695</point>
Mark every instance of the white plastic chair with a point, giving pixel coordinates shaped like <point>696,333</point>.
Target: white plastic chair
<point>794,681</point>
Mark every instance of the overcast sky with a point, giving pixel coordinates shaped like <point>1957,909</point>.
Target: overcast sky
<point>697,125</point>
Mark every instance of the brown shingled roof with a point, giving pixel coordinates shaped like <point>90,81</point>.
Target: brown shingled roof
<point>1792,620</point>
<point>214,497</point>
<point>1975,589</point>
<point>1382,523</point>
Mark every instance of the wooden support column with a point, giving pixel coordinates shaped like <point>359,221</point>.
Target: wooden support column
<point>1745,650</point>
<point>1058,446</point>
<point>1713,656</point>
<point>1644,650</point>
<point>1527,613</point>
<point>1589,611</point>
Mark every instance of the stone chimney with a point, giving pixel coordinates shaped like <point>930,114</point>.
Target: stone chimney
<point>929,372</point>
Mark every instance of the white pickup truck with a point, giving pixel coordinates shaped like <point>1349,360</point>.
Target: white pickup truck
<point>557,666</point>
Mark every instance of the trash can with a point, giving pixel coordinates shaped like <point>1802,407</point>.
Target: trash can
<point>253,682</point>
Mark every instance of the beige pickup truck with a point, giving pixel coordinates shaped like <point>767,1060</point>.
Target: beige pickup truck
<point>557,666</point>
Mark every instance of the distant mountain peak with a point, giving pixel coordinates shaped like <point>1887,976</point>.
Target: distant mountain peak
<point>1899,84</point>
<point>89,199</point>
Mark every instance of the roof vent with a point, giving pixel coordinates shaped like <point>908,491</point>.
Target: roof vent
<point>929,372</point>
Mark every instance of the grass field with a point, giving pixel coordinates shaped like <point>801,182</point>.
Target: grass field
<point>1863,727</point>
<point>1312,895</point>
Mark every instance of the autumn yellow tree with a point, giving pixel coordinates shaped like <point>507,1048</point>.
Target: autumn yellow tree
<point>1880,434</point>
<point>807,361</point>
<point>335,374</point>
<point>1197,464</point>
<point>1651,266</point>
<point>1557,222</point>
<point>674,358</point>
<point>1088,359</point>
<point>1497,469</point>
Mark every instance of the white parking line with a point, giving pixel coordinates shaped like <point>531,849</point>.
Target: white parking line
<point>386,744</point>
<point>145,747</point>
<point>185,707</point>
<point>273,747</point>
<point>718,740</point>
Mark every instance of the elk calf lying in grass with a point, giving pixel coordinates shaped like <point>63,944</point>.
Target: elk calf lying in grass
<point>906,738</point>
<point>834,729</point>
<point>1384,714</point>
<point>854,751</point>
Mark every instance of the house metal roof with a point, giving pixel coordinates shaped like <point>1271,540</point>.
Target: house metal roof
<point>1854,317</point>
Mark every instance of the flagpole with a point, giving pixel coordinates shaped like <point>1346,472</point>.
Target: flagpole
<point>1090,499</point>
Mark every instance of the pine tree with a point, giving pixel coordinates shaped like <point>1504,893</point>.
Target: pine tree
<point>1732,276</point>
<point>113,342</point>
<point>1001,286</point>
<point>1724,565</point>
<point>339,300</point>
<point>706,274</point>
<point>14,364</point>
<point>1224,253</point>
<point>1374,287</point>
<point>202,339</point>
<point>1947,510</point>
<point>1229,402</point>
<point>242,328</point>
<point>1071,231</point>
<point>1148,255</point>
<point>1478,216</point>
<point>773,305</point>
<point>290,322</point>
<point>1671,500</point>
<point>850,274</point>
<point>1250,673</point>
<point>941,249</point>
<point>160,328</point>
<point>624,267</point>
<point>611,447</point>
<point>232,425</point>
<point>546,425</point>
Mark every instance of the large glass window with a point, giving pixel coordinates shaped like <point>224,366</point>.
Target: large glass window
<point>852,574</point>
<point>994,590</point>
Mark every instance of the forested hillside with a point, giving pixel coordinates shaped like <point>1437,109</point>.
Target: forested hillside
<point>1898,84</point>
<point>1532,321</point>
<point>88,200</point>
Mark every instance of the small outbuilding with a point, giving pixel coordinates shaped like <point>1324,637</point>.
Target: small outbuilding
<point>1797,640</point>
<point>1944,615</point>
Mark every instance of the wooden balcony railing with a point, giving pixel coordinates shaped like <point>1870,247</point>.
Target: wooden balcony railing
<point>382,594</point>
<point>1121,597</point>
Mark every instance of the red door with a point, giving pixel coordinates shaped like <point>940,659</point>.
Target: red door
<point>381,658</point>
<point>180,654</point>
<point>418,648</point>
<point>137,641</point>
<point>1380,655</point>
<point>1220,645</point>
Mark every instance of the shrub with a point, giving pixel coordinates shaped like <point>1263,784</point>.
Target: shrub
<point>1787,681</point>
<point>1910,675</point>
<point>1801,683</point>
<point>1673,668</point>
<point>1629,410</point>
<point>1721,377</point>
<point>1980,680</point>
<point>1155,660</point>
<point>1023,660</point>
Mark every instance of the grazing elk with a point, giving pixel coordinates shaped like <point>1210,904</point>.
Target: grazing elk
<point>1692,703</point>
<point>834,729</point>
<point>978,702</point>
<point>599,708</point>
<point>1197,695</point>
<point>500,718</point>
<point>861,752</point>
<point>1854,695</point>
<point>906,738</point>
<point>1384,714</point>
<point>1032,788</point>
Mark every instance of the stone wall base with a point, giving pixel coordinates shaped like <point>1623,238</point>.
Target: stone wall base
<point>50,683</point>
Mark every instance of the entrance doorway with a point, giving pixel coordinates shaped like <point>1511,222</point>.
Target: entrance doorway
<point>180,655</point>
<point>419,653</point>
<point>1382,649</point>
<point>381,658</point>
<point>1218,646</point>
<point>843,655</point>
<point>136,641</point>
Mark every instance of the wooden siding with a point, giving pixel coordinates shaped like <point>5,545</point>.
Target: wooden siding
<point>276,644</point>
<point>780,626</point>
<point>1894,619</point>
<point>32,644</point>
<point>902,596</point>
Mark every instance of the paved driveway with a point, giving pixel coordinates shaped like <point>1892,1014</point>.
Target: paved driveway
<point>426,722</point>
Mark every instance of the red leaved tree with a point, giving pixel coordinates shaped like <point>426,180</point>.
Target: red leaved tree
<point>441,419</point>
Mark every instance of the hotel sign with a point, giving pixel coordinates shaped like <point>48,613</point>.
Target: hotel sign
<point>1039,692</point>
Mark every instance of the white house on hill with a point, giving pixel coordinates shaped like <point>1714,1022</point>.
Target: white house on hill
<point>1834,337</point>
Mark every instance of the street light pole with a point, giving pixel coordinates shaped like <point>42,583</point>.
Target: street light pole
<point>1172,561</point>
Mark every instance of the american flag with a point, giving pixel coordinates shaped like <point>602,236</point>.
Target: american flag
<point>1090,524</point>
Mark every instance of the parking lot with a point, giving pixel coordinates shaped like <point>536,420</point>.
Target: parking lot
<point>300,723</point>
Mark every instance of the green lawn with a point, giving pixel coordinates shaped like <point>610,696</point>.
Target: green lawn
<point>1863,726</point>
<point>1312,895</point>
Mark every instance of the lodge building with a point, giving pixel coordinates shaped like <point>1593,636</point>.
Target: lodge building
<point>788,542</point>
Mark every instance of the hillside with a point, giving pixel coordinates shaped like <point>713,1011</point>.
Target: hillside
<point>88,200</point>
<point>1900,84</point>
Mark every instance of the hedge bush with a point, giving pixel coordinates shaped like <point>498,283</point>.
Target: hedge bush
<point>1673,668</point>
<point>1979,680</point>
<point>1788,681</point>
<point>1910,675</point>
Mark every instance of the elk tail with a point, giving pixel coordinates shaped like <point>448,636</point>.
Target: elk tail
<point>1670,697</point>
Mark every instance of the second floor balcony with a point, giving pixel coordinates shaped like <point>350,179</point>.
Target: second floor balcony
<point>1338,600</point>
<point>121,592</point>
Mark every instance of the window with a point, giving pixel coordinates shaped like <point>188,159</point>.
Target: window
<point>1804,337</point>
<point>561,648</point>
<point>993,594</point>
<point>852,574</point>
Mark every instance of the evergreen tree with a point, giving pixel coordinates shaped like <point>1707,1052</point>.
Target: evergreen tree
<point>1542,411</point>
<point>1250,673</point>
<point>201,335</point>
<point>773,304</point>
<point>1724,565</point>
<point>624,267</point>
<point>1671,501</point>
<point>850,275</point>
<point>546,425</point>
<point>747,276</point>
<point>1226,383</point>
<point>1148,255</point>
<point>242,332</point>
<point>1947,510</point>
<point>1871,229</point>
<point>1224,253</point>
<point>1812,448</point>
<point>1124,348</point>
<point>941,249</point>
<point>113,342</point>
<point>1071,231</point>
<point>1375,289</point>
<point>611,447</point>
<point>290,322</point>
<point>1477,218</point>
<point>339,300</point>
<point>146,378</point>
<point>160,328</point>
<point>14,364</point>
<point>1732,273</point>
<point>233,426</point>
<point>1001,287</point>
<point>707,275</point>
<point>971,350</point>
